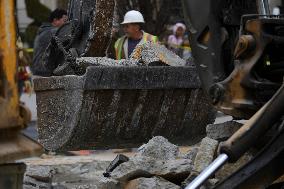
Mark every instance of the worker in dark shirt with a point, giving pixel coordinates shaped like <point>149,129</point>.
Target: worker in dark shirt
<point>56,19</point>
<point>132,43</point>
<point>134,35</point>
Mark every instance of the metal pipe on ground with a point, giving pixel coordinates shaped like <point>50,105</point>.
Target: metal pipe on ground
<point>210,170</point>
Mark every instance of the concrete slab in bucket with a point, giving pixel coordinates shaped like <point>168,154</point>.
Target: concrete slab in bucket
<point>118,107</point>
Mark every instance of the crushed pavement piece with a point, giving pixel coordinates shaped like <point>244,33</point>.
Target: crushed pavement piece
<point>103,61</point>
<point>40,173</point>
<point>145,167</point>
<point>31,183</point>
<point>157,165</point>
<point>143,55</point>
<point>159,148</point>
<point>150,52</point>
<point>191,154</point>
<point>205,154</point>
<point>150,183</point>
<point>84,62</point>
<point>222,131</point>
<point>230,168</point>
<point>73,171</point>
<point>134,168</point>
<point>81,65</point>
<point>95,183</point>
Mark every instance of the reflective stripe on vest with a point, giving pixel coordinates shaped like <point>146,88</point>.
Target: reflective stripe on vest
<point>119,44</point>
<point>118,47</point>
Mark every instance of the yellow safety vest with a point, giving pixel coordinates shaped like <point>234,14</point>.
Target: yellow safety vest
<point>119,52</point>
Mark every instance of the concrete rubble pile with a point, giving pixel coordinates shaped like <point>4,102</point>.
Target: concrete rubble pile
<point>143,55</point>
<point>158,164</point>
<point>147,54</point>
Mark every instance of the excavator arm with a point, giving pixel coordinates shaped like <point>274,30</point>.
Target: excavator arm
<point>237,46</point>
<point>13,115</point>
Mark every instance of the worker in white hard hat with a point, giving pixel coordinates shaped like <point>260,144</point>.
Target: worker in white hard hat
<point>134,35</point>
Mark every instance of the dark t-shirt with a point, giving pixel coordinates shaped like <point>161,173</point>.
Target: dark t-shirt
<point>42,41</point>
<point>132,45</point>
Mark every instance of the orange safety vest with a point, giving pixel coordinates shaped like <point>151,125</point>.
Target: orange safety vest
<point>119,52</point>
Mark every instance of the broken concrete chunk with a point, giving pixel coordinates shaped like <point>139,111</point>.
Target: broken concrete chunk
<point>106,183</point>
<point>150,52</point>
<point>66,172</point>
<point>143,55</point>
<point>191,154</point>
<point>40,173</point>
<point>222,131</point>
<point>83,63</point>
<point>103,61</point>
<point>146,167</point>
<point>96,183</point>
<point>205,154</point>
<point>134,168</point>
<point>159,148</point>
<point>150,183</point>
<point>175,170</point>
<point>31,183</point>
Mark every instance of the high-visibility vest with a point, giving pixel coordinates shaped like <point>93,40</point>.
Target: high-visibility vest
<point>119,44</point>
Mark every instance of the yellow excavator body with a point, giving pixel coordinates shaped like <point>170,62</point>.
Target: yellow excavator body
<point>13,115</point>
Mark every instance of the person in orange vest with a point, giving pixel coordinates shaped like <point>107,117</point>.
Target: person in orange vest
<point>134,35</point>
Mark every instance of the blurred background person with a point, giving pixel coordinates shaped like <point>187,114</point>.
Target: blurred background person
<point>177,40</point>
<point>56,19</point>
<point>24,73</point>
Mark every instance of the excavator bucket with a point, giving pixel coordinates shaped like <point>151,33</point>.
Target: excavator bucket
<point>120,107</point>
<point>114,106</point>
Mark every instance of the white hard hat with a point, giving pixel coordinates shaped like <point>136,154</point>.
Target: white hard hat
<point>133,17</point>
